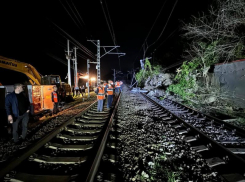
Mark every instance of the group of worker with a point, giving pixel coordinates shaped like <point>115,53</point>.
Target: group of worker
<point>78,91</point>
<point>107,89</point>
<point>18,106</point>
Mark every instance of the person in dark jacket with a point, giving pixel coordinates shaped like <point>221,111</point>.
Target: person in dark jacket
<point>17,106</point>
<point>55,100</point>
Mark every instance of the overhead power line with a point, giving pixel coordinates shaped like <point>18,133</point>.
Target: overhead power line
<point>172,33</point>
<point>74,13</point>
<point>79,54</point>
<point>114,36</point>
<point>82,48</point>
<point>144,43</point>
<point>60,60</point>
<point>77,12</point>
<point>69,14</point>
<point>164,25</point>
<point>108,24</point>
<point>111,30</point>
<point>155,21</point>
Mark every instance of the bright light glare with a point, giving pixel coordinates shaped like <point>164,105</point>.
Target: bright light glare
<point>93,79</point>
<point>84,77</point>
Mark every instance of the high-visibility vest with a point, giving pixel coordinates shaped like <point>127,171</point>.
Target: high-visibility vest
<point>117,84</point>
<point>110,90</point>
<point>101,93</point>
<point>55,96</point>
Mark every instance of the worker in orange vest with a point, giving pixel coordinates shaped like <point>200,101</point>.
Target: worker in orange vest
<point>117,86</point>
<point>55,100</point>
<point>100,97</point>
<point>105,84</point>
<point>110,94</point>
<point>111,82</point>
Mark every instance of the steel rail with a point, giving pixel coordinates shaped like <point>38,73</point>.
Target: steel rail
<point>236,161</point>
<point>228,126</point>
<point>96,162</point>
<point>18,158</point>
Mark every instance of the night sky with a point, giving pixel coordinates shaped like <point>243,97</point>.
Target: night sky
<point>29,32</point>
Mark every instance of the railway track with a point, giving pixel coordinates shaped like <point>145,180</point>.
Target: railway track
<point>228,135</point>
<point>39,129</point>
<point>221,144</point>
<point>72,152</point>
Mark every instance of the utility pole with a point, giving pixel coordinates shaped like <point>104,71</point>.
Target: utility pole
<point>97,44</point>
<point>88,65</point>
<point>75,67</point>
<point>98,62</point>
<point>115,73</point>
<point>68,57</point>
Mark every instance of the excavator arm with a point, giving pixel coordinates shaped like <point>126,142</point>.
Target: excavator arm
<point>27,69</point>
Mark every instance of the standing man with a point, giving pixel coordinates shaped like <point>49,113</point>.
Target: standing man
<point>100,97</point>
<point>109,96</point>
<point>18,107</point>
<point>111,82</point>
<point>117,86</point>
<point>55,100</point>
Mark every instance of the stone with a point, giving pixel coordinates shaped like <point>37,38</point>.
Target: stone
<point>161,80</point>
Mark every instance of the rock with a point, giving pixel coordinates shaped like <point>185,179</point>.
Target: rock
<point>210,99</point>
<point>161,80</point>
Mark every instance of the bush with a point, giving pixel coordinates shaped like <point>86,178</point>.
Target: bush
<point>147,72</point>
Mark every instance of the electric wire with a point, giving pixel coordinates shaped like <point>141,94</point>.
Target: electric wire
<point>173,65</point>
<point>113,33</point>
<point>110,26</point>
<point>78,20</point>
<point>143,45</point>
<point>164,25</point>
<point>155,21</point>
<point>83,48</point>
<point>107,21</point>
<point>77,45</point>
<point>60,60</point>
<point>78,16</point>
<point>69,14</point>
<point>78,54</point>
<point>114,36</point>
<point>77,12</point>
<point>173,32</point>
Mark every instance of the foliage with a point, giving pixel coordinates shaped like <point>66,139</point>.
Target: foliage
<point>161,170</point>
<point>143,74</point>
<point>161,98</point>
<point>172,176</point>
<point>239,51</point>
<point>224,22</point>
<point>186,77</point>
<point>213,37</point>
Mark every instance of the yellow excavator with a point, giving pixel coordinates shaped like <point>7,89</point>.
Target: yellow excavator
<point>35,78</point>
<point>39,91</point>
